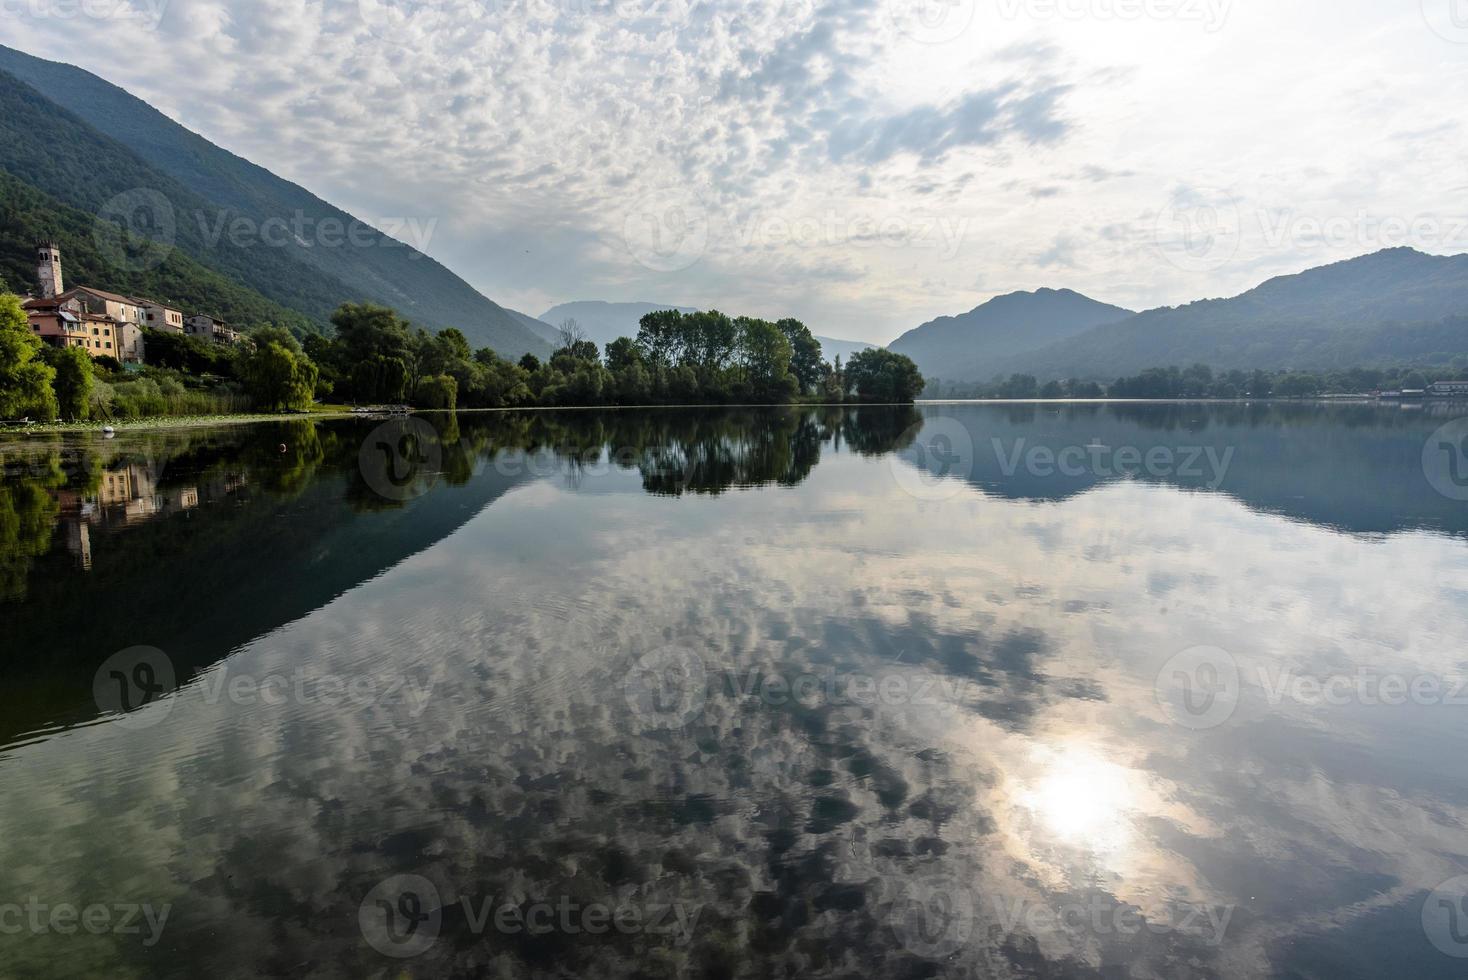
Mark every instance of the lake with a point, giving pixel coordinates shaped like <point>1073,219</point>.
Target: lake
<point>954,690</point>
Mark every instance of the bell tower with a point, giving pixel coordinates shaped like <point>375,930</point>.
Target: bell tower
<point>48,269</point>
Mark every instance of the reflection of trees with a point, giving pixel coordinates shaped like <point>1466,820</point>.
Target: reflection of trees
<point>27,518</point>
<point>876,430</point>
<point>682,451</point>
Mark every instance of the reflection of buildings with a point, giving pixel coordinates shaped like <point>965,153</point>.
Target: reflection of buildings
<point>128,495</point>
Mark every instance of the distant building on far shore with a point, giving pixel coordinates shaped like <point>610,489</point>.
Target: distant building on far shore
<point>208,328</point>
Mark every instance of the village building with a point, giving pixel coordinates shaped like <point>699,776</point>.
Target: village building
<point>209,328</point>
<point>66,323</point>
<point>159,317</point>
<point>105,324</point>
<point>1448,389</point>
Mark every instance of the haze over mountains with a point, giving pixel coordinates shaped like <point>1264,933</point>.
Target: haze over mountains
<point>77,142</point>
<point>604,322</point>
<point>1394,306</point>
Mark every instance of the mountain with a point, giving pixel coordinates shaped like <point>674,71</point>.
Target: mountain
<point>604,322</point>
<point>540,328</point>
<point>85,141</point>
<point>963,348</point>
<point>1394,306</point>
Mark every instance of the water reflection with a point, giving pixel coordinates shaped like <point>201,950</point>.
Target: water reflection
<point>843,729</point>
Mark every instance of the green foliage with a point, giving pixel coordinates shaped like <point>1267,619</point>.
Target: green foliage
<point>805,354</point>
<point>25,379</point>
<point>1201,381</point>
<point>880,375</point>
<point>27,216</point>
<point>73,382</point>
<point>438,391</point>
<point>181,352</point>
<point>276,376</point>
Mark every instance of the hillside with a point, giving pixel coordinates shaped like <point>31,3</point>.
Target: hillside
<point>29,216</point>
<point>1394,306</point>
<point>85,141</point>
<point>964,348</point>
<point>604,322</point>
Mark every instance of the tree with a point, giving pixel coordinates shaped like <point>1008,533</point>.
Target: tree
<point>73,382</point>
<point>438,391</point>
<point>879,375</point>
<point>765,354</point>
<point>571,332</point>
<point>25,381</point>
<point>277,377</point>
<point>529,362</point>
<point>622,353</point>
<point>806,362</point>
<point>1020,386</point>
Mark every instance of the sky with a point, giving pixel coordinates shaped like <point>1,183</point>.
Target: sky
<point>864,166</point>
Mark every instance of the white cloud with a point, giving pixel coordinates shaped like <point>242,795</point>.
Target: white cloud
<point>1053,135</point>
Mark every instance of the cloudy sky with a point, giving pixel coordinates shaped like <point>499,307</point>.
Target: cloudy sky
<point>864,165</point>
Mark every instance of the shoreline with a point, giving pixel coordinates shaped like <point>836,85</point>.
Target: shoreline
<point>202,421</point>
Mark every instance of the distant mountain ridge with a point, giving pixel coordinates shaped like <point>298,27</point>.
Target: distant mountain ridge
<point>962,347</point>
<point>1391,306</point>
<point>1388,307</point>
<point>127,136</point>
<point>604,322</point>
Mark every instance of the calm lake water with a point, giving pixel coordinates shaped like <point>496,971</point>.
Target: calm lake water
<point>957,690</point>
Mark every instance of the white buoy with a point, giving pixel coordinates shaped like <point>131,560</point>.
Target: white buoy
<point>108,430</point>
